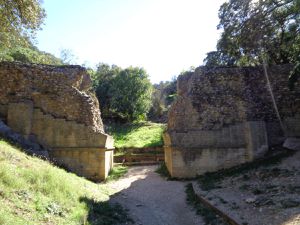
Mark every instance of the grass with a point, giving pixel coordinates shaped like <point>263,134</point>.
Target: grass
<point>137,135</point>
<point>116,173</point>
<point>163,171</point>
<point>33,191</point>
<point>208,215</point>
<point>211,180</point>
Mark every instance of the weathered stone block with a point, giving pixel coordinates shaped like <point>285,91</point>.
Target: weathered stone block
<point>19,117</point>
<point>3,111</point>
<point>225,116</point>
<point>88,164</point>
<point>55,105</point>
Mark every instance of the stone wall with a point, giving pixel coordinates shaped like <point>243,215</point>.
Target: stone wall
<point>62,91</point>
<point>55,106</point>
<point>224,117</point>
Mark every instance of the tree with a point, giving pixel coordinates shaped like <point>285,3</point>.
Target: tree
<point>29,55</point>
<point>67,56</point>
<point>19,21</point>
<point>125,93</point>
<point>163,96</point>
<point>254,28</point>
<point>131,93</point>
<point>102,82</point>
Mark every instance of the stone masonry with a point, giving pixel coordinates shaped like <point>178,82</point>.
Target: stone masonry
<point>224,117</point>
<point>55,106</point>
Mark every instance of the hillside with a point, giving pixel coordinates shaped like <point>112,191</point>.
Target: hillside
<point>33,191</point>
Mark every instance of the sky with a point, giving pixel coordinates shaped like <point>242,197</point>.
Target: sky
<point>164,37</point>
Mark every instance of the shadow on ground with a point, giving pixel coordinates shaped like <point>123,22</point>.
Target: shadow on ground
<point>105,213</point>
<point>146,198</point>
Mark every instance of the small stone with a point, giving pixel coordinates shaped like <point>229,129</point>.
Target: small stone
<point>250,200</point>
<point>292,143</point>
<point>138,205</point>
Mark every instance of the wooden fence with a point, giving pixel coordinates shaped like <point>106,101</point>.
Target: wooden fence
<point>139,156</point>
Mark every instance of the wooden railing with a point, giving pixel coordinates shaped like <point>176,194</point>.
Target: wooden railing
<point>139,156</point>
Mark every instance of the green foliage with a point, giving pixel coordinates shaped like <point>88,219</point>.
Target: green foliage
<point>208,215</point>
<point>242,43</point>
<point>116,173</point>
<point>102,82</point>
<point>163,96</point>
<point>131,93</point>
<point>19,20</point>
<point>125,93</point>
<point>163,171</point>
<point>33,191</point>
<point>29,55</point>
<point>138,135</point>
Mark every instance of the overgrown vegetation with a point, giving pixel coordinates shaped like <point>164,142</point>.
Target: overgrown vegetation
<point>29,54</point>
<point>123,93</point>
<point>19,21</point>
<point>163,96</point>
<point>163,171</point>
<point>209,216</point>
<point>137,135</point>
<point>211,180</point>
<point>33,191</point>
<point>242,44</point>
<point>116,173</point>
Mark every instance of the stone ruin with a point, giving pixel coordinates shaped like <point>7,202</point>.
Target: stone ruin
<point>224,117</point>
<point>56,107</point>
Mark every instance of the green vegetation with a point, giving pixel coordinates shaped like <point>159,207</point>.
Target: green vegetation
<point>33,191</point>
<point>123,93</point>
<point>19,21</point>
<point>137,135</point>
<point>211,180</point>
<point>28,54</point>
<point>163,171</point>
<point>117,172</point>
<point>208,215</point>
<point>163,96</point>
<point>276,41</point>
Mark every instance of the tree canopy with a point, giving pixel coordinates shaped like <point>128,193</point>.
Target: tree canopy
<point>30,54</point>
<point>163,96</point>
<point>252,27</point>
<point>125,93</point>
<point>19,21</point>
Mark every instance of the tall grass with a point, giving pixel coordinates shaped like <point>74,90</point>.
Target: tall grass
<point>33,191</point>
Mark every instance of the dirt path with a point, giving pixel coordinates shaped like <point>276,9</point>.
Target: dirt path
<point>271,193</point>
<point>152,200</point>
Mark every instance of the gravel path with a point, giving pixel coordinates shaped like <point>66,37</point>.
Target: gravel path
<point>152,200</point>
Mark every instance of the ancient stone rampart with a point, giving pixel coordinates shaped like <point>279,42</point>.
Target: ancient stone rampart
<point>224,117</point>
<point>55,106</point>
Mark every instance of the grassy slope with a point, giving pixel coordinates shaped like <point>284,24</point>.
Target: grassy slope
<point>33,191</point>
<point>137,135</point>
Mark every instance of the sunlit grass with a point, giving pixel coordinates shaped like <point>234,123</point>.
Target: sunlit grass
<point>117,172</point>
<point>33,191</point>
<point>138,135</point>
